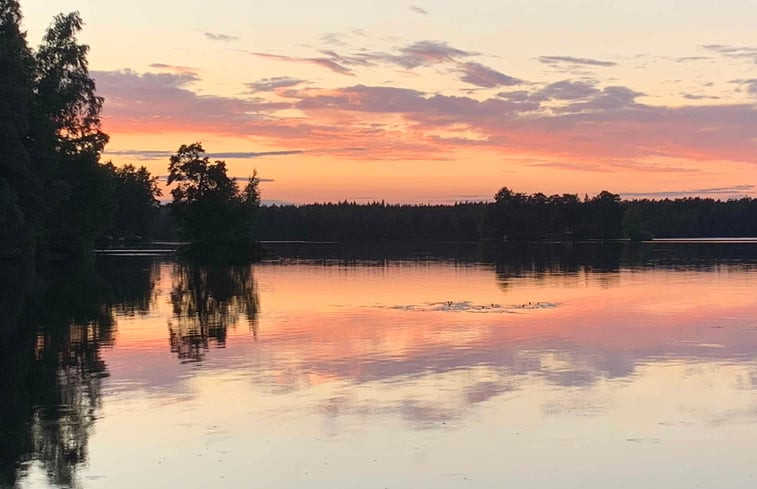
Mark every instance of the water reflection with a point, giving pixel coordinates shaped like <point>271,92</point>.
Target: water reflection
<point>52,365</point>
<point>372,347</point>
<point>371,322</point>
<point>206,302</point>
<point>523,258</point>
<point>131,281</point>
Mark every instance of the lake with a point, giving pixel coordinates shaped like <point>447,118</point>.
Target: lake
<point>387,366</point>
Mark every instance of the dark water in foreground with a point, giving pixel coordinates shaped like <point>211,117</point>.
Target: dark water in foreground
<point>586,366</point>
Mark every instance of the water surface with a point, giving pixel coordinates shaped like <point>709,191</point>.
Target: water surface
<point>457,365</point>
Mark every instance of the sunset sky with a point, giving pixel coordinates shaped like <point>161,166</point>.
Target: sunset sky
<point>434,102</point>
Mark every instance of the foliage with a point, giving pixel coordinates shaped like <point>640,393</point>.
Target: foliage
<point>512,215</point>
<point>522,216</point>
<point>56,197</point>
<point>605,214</point>
<point>66,95</point>
<point>17,184</point>
<point>698,217</point>
<point>633,228</point>
<point>515,215</point>
<point>211,211</point>
<point>68,142</point>
<point>137,205</point>
<point>347,221</point>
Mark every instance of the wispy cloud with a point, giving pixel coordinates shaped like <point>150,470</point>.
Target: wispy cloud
<point>568,90</point>
<point>271,84</point>
<point>485,77</point>
<point>324,62</point>
<point>745,52</point>
<point>334,39</point>
<point>688,59</point>
<point>175,68</point>
<point>426,53</point>
<point>141,154</point>
<point>750,85</point>
<point>415,55</point>
<point>734,191</point>
<point>609,99</point>
<point>220,37</point>
<point>554,60</point>
<point>609,166</point>
<point>418,10</point>
<point>694,96</point>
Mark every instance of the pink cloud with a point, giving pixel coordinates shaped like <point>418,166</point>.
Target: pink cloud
<point>590,125</point>
<point>327,63</point>
<point>485,77</point>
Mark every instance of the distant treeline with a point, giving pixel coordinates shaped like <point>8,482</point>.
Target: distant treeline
<point>515,216</point>
<point>512,215</point>
<point>697,217</point>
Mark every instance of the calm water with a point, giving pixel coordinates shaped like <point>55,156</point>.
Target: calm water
<point>581,366</point>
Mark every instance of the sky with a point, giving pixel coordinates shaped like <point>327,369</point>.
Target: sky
<point>434,102</point>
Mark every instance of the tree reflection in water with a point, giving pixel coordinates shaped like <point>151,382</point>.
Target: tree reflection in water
<point>206,302</point>
<point>51,364</point>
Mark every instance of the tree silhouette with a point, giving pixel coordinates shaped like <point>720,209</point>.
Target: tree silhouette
<point>212,213</point>
<point>137,205</point>
<point>68,141</point>
<point>18,186</point>
<point>56,197</point>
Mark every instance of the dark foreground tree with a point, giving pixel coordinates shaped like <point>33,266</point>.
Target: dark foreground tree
<point>213,215</point>
<point>55,196</point>
<point>68,141</point>
<point>17,183</point>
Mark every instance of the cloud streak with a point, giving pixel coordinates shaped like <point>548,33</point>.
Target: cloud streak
<point>485,77</point>
<point>323,62</point>
<point>738,52</point>
<point>273,84</point>
<point>570,60</point>
<point>568,90</point>
<point>182,70</point>
<point>749,85</point>
<point>415,55</point>
<point>427,53</point>
<point>162,154</point>
<point>694,96</point>
<point>717,192</point>
<point>220,37</point>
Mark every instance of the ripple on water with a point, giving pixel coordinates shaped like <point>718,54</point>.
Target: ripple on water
<point>469,306</point>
